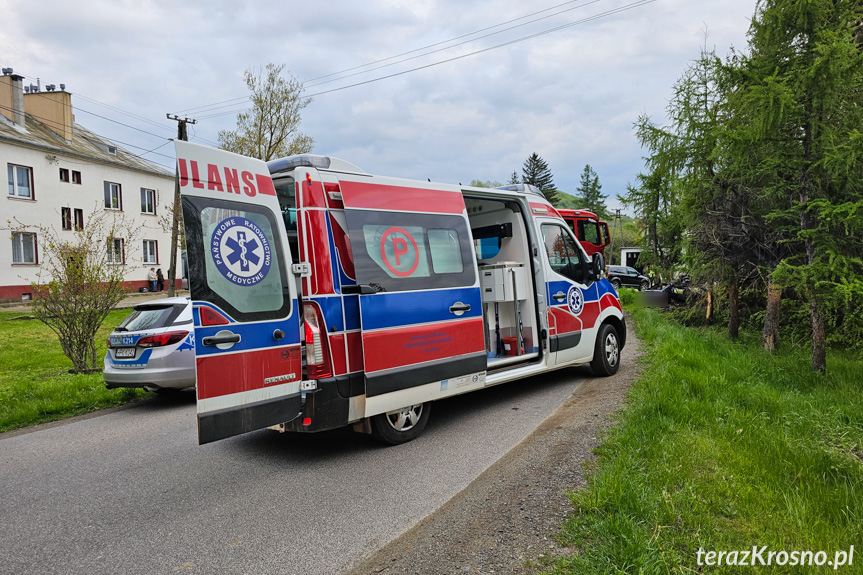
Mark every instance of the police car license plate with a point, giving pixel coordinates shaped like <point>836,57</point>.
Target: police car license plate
<point>124,352</point>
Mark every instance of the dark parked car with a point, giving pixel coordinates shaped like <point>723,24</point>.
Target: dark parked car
<point>627,277</point>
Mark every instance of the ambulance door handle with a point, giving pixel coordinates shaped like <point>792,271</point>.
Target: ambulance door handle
<point>223,340</point>
<point>559,296</point>
<point>459,308</point>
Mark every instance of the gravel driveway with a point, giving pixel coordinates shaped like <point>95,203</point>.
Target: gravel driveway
<point>505,520</point>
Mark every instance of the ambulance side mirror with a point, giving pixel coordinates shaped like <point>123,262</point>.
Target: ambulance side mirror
<point>597,266</point>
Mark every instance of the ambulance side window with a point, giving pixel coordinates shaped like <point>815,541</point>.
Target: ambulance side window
<point>408,251</point>
<point>563,255</point>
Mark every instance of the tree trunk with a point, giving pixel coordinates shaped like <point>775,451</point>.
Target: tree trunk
<point>819,338</point>
<point>709,315</point>
<point>770,334</point>
<point>733,310</point>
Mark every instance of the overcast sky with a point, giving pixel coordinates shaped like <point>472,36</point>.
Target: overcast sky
<point>570,95</point>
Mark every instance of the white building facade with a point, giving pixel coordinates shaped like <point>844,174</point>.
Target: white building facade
<point>58,173</point>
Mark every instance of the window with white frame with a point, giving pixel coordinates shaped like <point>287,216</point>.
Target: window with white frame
<point>113,196</point>
<point>66,218</point>
<point>79,219</point>
<point>20,181</point>
<point>151,252</point>
<point>148,201</point>
<point>23,248</point>
<point>115,251</point>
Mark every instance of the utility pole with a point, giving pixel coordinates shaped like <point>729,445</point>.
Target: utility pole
<point>175,217</point>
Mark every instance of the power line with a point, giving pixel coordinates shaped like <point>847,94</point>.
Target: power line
<point>233,100</point>
<point>517,40</point>
<point>61,125</point>
<point>114,108</point>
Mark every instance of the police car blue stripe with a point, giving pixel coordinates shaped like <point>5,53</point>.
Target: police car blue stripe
<point>385,310</point>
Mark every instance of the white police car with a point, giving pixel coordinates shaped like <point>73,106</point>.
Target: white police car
<point>153,348</point>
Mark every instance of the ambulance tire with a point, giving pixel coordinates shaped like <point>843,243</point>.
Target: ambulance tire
<point>402,425</point>
<point>606,354</point>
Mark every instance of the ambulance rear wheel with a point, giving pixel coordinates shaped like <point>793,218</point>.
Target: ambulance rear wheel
<point>606,354</point>
<point>401,425</point>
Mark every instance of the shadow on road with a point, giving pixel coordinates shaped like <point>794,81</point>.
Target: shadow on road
<point>328,445</point>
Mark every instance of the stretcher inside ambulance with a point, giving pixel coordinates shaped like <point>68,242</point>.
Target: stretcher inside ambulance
<point>325,296</point>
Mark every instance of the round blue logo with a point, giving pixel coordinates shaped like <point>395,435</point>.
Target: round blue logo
<point>241,251</point>
<point>575,299</point>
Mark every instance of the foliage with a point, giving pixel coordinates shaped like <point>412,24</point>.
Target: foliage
<point>270,129</point>
<point>536,172</point>
<point>722,446</point>
<point>801,89</point>
<point>513,178</point>
<point>79,283</point>
<point>589,193</point>
<point>35,385</point>
<point>485,184</point>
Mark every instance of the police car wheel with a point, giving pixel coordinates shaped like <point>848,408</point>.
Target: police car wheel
<point>401,425</point>
<point>606,354</point>
<point>616,283</point>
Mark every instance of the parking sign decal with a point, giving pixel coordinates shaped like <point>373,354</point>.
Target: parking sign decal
<point>241,251</point>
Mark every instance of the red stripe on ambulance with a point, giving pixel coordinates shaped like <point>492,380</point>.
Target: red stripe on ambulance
<point>401,199</point>
<point>224,374</point>
<point>391,348</point>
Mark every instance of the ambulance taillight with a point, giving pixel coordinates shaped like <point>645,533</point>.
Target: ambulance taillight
<point>317,350</point>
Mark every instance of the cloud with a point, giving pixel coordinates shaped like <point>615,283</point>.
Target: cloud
<point>571,96</point>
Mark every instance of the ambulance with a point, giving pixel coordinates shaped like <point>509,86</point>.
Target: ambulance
<point>324,296</point>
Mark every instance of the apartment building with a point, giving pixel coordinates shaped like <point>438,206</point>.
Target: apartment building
<point>58,173</point>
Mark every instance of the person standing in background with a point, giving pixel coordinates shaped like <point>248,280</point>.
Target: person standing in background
<point>151,277</point>
<point>160,279</point>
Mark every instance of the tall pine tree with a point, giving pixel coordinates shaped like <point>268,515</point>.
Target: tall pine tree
<point>589,193</point>
<point>537,173</point>
<point>802,89</point>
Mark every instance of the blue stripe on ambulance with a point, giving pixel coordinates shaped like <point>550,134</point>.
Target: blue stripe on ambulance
<point>257,335</point>
<point>384,310</point>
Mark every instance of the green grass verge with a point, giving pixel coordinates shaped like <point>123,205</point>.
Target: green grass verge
<point>35,383</point>
<point>722,447</point>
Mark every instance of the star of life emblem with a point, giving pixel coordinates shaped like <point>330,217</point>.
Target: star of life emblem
<point>241,251</point>
<point>575,300</point>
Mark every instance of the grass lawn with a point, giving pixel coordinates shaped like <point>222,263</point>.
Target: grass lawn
<point>723,447</point>
<point>35,385</point>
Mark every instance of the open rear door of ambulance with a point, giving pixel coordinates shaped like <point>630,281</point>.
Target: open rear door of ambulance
<point>245,307</point>
<point>420,301</point>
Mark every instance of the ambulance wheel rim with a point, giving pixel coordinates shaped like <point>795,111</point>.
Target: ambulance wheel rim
<point>612,351</point>
<point>405,419</point>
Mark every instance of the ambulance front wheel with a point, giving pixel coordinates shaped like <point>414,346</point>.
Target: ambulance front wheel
<point>402,425</point>
<point>606,354</point>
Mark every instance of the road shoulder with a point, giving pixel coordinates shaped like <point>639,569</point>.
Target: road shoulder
<point>507,517</point>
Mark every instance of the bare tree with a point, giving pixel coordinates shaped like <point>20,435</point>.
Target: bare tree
<point>270,129</point>
<point>80,280</point>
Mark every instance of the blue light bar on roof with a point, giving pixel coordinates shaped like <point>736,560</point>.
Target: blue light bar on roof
<point>299,161</point>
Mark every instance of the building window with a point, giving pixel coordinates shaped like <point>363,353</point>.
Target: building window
<point>76,177</point>
<point>151,252</point>
<point>148,201</point>
<point>79,219</point>
<point>23,248</point>
<point>116,253</point>
<point>20,181</point>
<point>113,196</point>
<point>64,174</point>
<point>66,218</point>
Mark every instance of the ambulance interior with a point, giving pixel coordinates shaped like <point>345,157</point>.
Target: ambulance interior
<point>506,280</point>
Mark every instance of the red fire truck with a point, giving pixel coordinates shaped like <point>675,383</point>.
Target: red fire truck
<point>590,230</point>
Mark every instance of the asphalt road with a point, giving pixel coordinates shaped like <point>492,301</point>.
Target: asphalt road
<point>131,491</point>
